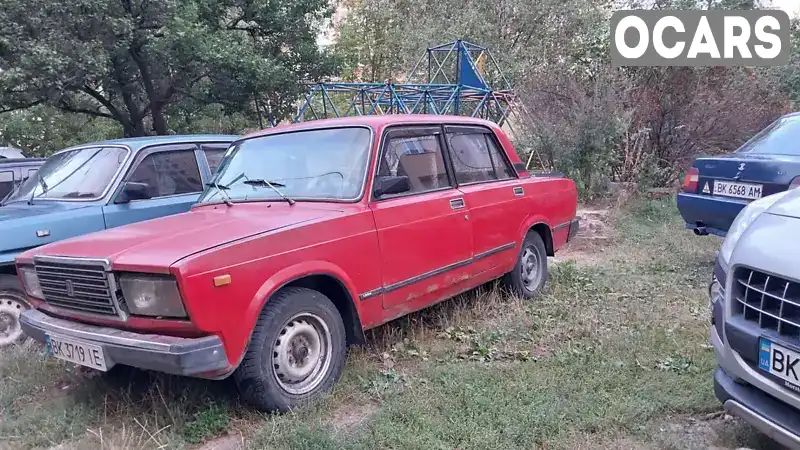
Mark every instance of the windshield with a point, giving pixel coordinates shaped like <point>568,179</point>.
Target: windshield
<point>81,174</point>
<point>327,164</point>
<point>781,137</point>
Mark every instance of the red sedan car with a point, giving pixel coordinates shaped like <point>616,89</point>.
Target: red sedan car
<point>308,235</point>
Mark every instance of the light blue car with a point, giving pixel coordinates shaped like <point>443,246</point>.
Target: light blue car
<point>96,186</point>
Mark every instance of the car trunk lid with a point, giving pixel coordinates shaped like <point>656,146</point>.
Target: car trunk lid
<point>773,173</point>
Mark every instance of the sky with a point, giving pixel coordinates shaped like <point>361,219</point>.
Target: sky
<point>790,6</point>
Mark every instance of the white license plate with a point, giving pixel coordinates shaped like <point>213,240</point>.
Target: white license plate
<point>78,352</point>
<point>739,190</point>
<point>779,361</point>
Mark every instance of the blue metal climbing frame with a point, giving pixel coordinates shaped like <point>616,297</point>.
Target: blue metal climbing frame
<point>458,78</point>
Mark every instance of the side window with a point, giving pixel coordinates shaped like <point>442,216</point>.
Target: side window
<point>501,167</point>
<point>6,183</point>
<point>169,173</point>
<point>419,158</point>
<point>477,158</point>
<point>214,157</point>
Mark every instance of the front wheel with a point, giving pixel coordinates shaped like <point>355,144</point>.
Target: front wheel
<point>529,275</point>
<point>12,304</point>
<point>296,353</point>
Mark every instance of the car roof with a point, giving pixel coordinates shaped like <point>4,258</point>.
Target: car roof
<point>11,153</point>
<point>377,121</point>
<point>145,141</point>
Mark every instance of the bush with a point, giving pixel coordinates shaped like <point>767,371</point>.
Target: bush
<point>644,125</point>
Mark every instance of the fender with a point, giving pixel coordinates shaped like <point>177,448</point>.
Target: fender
<point>281,279</point>
<point>293,273</point>
<point>536,219</point>
<point>530,221</point>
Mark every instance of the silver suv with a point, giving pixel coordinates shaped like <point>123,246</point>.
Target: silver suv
<point>755,304</point>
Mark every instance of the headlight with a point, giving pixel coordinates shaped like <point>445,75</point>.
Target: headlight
<point>745,218</point>
<point>151,295</point>
<point>31,282</point>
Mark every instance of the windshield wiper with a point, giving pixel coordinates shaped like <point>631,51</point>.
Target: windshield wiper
<point>274,185</point>
<point>41,183</point>
<point>221,188</point>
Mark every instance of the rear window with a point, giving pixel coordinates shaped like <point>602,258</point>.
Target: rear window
<point>781,137</point>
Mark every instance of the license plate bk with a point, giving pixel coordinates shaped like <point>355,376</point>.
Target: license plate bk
<point>77,352</point>
<point>739,190</point>
<point>781,362</point>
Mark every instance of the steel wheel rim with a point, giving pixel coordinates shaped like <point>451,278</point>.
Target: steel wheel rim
<point>301,354</point>
<point>10,312</point>
<point>529,269</point>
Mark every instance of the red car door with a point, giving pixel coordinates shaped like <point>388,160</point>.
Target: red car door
<point>424,232</point>
<point>493,193</point>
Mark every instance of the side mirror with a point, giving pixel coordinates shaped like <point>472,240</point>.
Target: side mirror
<point>134,191</point>
<point>391,185</point>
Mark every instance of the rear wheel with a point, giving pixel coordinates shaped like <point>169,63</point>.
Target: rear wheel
<point>12,304</point>
<point>530,272</point>
<point>296,353</point>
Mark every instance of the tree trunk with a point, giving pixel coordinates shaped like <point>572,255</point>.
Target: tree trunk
<point>157,100</point>
<point>159,121</point>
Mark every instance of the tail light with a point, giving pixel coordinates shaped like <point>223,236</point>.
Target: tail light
<point>691,179</point>
<point>795,182</point>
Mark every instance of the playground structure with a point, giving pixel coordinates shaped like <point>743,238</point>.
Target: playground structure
<point>458,78</point>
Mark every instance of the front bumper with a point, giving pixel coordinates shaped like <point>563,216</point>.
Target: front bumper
<point>772,417</point>
<point>742,390</point>
<point>169,354</point>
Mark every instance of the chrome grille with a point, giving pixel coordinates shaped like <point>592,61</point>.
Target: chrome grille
<point>79,287</point>
<point>772,302</point>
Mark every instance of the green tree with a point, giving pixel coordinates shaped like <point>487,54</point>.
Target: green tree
<point>382,39</point>
<point>42,130</point>
<point>132,60</point>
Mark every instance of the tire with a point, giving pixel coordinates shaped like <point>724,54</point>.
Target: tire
<point>12,304</point>
<point>529,275</point>
<point>296,324</point>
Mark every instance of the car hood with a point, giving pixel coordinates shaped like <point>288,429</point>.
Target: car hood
<point>21,210</point>
<point>788,205</point>
<point>26,226</point>
<point>155,245</point>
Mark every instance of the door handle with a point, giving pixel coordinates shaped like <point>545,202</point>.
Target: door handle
<point>457,203</point>
<point>519,191</point>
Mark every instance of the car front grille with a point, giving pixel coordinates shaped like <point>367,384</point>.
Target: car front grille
<point>770,301</point>
<point>84,287</point>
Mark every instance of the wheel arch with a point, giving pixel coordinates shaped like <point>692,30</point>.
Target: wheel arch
<point>8,269</point>
<point>333,288</point>
<point>324,277</point>
<point>547,236</point>
<point>539,225</point>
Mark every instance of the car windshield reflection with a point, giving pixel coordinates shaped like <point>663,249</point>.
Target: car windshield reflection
<point>80,174</point>
<point>325,164</point>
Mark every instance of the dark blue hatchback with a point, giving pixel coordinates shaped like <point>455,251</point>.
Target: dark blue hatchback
<point>717,188</point>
